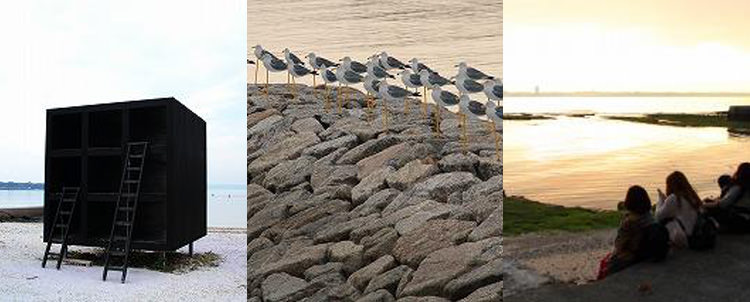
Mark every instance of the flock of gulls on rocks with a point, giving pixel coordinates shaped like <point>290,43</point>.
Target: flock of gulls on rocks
<point>374,74</point>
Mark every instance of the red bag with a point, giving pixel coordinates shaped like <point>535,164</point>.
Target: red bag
<point>603,267</point>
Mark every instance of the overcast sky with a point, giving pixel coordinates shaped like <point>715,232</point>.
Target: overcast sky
<point>645,45</point>
<point>66,53</point>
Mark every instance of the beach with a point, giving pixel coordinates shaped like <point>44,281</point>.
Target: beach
<point>22,277</point>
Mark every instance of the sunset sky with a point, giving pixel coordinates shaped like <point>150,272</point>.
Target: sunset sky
<point>633,45</point>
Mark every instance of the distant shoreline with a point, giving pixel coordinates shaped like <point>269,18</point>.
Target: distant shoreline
<point>626,94</point>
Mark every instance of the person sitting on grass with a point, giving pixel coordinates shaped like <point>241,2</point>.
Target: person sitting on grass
<point>732,210</point>
<point>678,209</point>
<point>632,234</point>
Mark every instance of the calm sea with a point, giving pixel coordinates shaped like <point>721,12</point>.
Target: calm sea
<point>440,33</point>
<point>592,161</point>
<point>227,204</point>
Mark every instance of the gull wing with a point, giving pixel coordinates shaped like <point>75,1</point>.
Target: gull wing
<point>449,98</point>
<point>477,108</point>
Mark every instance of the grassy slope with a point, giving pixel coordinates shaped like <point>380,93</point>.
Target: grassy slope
<point>678,119</point>
<point>521,216</point>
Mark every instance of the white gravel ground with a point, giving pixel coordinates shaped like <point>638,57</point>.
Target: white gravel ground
<point>22,277</point>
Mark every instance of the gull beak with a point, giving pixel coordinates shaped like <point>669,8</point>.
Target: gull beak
<point>455,65</point>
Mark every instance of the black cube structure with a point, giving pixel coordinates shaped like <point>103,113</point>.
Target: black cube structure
<point>85,147</point>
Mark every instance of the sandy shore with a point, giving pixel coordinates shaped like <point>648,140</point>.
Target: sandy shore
<point>23,279</point>
<point>536,259</point>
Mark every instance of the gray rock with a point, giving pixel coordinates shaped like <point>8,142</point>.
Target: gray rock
<point>307,216</point>
<point>391,219</point>
<point>289,174</point>
<point>377,296</point>
<point>423,299</point>
<point>327,147</point>
<point>323,269</point>
<point>257,194</point>
<point>367,149</point>
<point>410,173</point>
<point>289,148</point>
<point>457,162</point>
<point>489,293</point>
<point>362,277</point>
<point>479,277</point>
<point>264,219</point>
<point>442,266</point>
<point>411,223</point>
<point>491,227</point>
<point>371,184</point>
<point>379,244</point>
<point>283,287</point>
<point>297,260</point>
<point>307,124</point>
<point>258,244</point>
<point>340,231</point>
<point>376,202</point>
<point>342,292</point>
<point>440,186</point>
<point>327,175</point>
<point>328,280</point>
<point>433,235</point>
<point>348,253</point>
<point>263,126</point>
<point>483,189</point>
<point>489,167</point>
<point>395,156</point>
<point>256,117</point>
<point>388,280</point>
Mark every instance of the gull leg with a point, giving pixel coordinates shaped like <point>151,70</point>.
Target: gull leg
<point>424,102</point>
<point>267,82</point>
<point>257,66</point>
<point>294,86</point>
<point>338,97</point>
<point>385,115</point>
<point>314,92</point>
<point>466,133</point>
<point>326,99</point>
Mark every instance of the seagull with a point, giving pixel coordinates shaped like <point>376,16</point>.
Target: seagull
<point>429,79</point>
<point>392,93</point>
<point>371,84</point>
<point>472,73</point>
<point>317,63</point>
<point>412,81</point>
<point>354,66</point>
<point>493,90</point>
<point>469,109</point>
<point>418,67</point>
<point>291,59</point>
<point>298,71</point>
<point>259,52</point>
<point>495,114</point>
<point>390,62</point>
<point>374,69</point>
<point>272,63</point>
<point>466,85</point>
<point>346,77</point>
<point>443,99</point>
<point>328,78</point>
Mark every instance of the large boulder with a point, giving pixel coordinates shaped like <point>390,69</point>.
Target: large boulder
<point>289,148</point>
<point>433,235</point>
<point>371,184</point>
<point>410,173</point>
<point>368,148</point>
<point>289,174</point>
<point>459,162</point>
<point>479,277</point>
<point>348,253</point>
<point>388,280</point>
<point>442,266</point>
<point>296,261</point>
<point>440,186</point>
<point>362,277</point>
<point>307,124</point>
<point>282,287</point>
<point>491,227</point>
<point>327,147</point>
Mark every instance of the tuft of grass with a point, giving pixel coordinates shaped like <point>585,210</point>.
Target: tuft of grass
<point>521,215</point>
<point>718,119</point>
<point>170,262</point>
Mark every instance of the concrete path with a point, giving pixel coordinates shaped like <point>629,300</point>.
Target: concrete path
<point>722,274</point>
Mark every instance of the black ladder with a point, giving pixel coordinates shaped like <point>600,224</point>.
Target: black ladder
<point>127,201</point>
<point>63,217</point>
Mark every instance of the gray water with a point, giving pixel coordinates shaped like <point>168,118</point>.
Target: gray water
<point>439,33</point>
<point>592,161</point>
<point>227,204</point>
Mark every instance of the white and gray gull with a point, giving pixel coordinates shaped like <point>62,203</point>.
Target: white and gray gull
<point>493,90</point>
<point>472,73</point>
<point>374,69</point>
<point>429,79</point>
<point>466,85</point>
<point>410,80</point>
<point>291,58</point>
<point>390,62</point>
<point>351,65</point>
<point>319,62</point>
<point>417,67</point>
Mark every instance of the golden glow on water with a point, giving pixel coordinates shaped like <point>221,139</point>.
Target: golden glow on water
<point>592,161</point>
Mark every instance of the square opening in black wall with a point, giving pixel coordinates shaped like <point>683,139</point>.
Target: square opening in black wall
<point>104,174</point>
<point>149,124</point>
<point>64,172</point>
<point>65,131</point>
<point>105,129</point>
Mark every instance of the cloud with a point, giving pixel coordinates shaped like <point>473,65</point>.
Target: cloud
<point>59,54</point>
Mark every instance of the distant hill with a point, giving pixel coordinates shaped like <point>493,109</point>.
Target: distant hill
<point>16,186</point>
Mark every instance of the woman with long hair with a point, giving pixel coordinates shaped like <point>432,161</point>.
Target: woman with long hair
<point>631,234</point>
<point>678,209</point>
<point>732,210</point>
